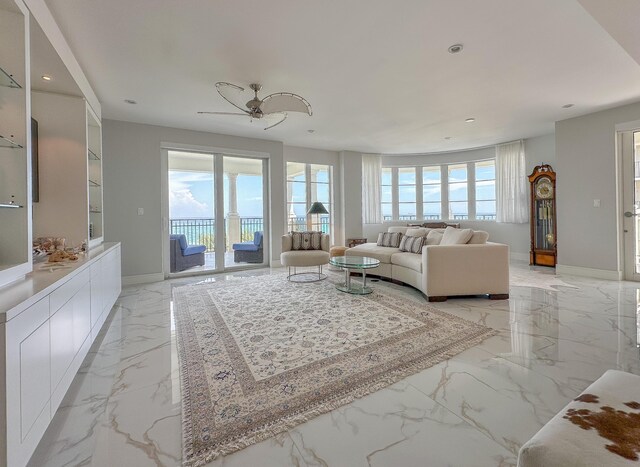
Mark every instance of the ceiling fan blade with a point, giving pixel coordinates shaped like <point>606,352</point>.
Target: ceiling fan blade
<point>225,113</point>
<point>285,102</point>
<point>281,115</point>
<point>232,94</point>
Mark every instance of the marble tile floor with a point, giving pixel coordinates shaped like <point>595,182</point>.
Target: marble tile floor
<point>475,409</point>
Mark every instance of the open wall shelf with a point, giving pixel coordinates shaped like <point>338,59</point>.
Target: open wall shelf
<point>7,80</point>
<point>94,173</point>
<point>15,147</point>
<point>8,143</point>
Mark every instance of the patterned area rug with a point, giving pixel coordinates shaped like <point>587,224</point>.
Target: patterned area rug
<point>260,355</point>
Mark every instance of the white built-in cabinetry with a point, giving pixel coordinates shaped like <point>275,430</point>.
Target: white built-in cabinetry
<point>46,337</point>
<point>70,166</point>
<point>15,143</point>
<point>48,318</point>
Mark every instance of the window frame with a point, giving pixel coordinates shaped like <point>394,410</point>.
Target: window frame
<point>308,182</point>
<point>444,191</point>
<point>495,191</point>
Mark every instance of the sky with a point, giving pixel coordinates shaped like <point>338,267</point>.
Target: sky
<point>191,195</point>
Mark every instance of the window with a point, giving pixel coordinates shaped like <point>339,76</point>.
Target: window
<point>306,184</point>
<point>448,191</point>
<point>458,193</point>
<point>486,190</point>
<point>386,197</point>
<point>431,193</point>
<point>407,193</point>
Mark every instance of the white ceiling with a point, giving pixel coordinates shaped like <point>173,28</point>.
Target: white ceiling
<point>46,61</point>
<point>376,72</point>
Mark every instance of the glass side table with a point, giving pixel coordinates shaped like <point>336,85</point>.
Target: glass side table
<point>354,262</point>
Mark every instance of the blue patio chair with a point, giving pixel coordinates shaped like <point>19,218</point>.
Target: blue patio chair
<point>249,252</point>
<point>184,256</point>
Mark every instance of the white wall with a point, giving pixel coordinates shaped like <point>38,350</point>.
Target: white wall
<point>62,166</point>
<point>332,158</point>
<point>517,236</point>
<point>132,179</point>
<point>351,186</point>
<point>586,167</point>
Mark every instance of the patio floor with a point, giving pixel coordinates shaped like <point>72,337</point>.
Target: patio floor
<point>210,263</point>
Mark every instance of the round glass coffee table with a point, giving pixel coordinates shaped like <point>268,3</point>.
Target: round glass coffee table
<point>354,262</point>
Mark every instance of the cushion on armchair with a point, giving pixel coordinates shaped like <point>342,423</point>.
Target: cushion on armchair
<point>186,249</point>
<point>194,250</point>
<point>255,245</point>
<point>306,241</point>
<point>182,240</point>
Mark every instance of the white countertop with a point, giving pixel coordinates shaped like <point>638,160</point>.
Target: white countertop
<point>19,295</point>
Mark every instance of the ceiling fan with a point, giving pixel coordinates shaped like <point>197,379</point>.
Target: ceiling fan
<point>273,108</point>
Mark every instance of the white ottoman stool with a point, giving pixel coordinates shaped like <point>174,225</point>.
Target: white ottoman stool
<point>601,427</point>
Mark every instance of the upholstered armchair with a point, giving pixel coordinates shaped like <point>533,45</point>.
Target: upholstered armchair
<point>304,257</point>
<point>249,252</point>
<point>182,255</point>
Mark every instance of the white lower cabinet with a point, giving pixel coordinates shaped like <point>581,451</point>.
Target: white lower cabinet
<point>27,379</point>
<point>44,348</point>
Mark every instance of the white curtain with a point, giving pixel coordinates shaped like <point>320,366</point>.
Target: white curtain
<point>371,189</point>
<point>511,183</point>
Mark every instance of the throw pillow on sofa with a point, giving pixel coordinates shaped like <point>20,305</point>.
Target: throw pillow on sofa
<point>434,238</point>
<point>306,241</point>
<point>417,232</point>
<point>412,244</point>
<point>389,239</point>
<point>453,236</point>
<point>479,237</point>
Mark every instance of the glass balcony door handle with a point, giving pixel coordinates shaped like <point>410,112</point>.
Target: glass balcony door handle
<point>629,214</point>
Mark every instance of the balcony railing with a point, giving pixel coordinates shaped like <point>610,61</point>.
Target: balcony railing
<point>202,231</point>
<point>297,224</point>
<point>198,231</point>
<point>479,217</point>
<point>249,226</point>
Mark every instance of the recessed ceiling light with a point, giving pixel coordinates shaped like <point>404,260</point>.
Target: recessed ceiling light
<point>46,77</point>
<point>470,120</point>
<point>567,106</point>
<point>447,137</point>
<point>456,48</point>
<point>130,101</point>
<point>311,131</point>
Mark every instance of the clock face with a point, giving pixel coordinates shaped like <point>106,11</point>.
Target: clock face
<point>544,189</point>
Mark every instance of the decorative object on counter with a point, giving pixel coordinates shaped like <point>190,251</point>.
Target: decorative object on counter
<point>84,246</point>
<point>49,244</point>
<point>351,242</point>
<point>543,216</point>
<point>60,256</point>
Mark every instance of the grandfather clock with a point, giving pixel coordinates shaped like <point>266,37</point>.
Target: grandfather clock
<point>543,216</point>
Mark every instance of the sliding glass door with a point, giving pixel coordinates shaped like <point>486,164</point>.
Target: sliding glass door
<point>216,212</point>
<point>244,208</point>
<point>192,208</point>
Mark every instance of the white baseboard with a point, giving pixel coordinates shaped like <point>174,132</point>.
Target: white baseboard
<point>589,272</point>
<point>275,263</point>
<point>519,256</point>
<point>142,278</point>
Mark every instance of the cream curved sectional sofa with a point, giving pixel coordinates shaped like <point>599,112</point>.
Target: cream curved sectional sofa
<point>478,267</point>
